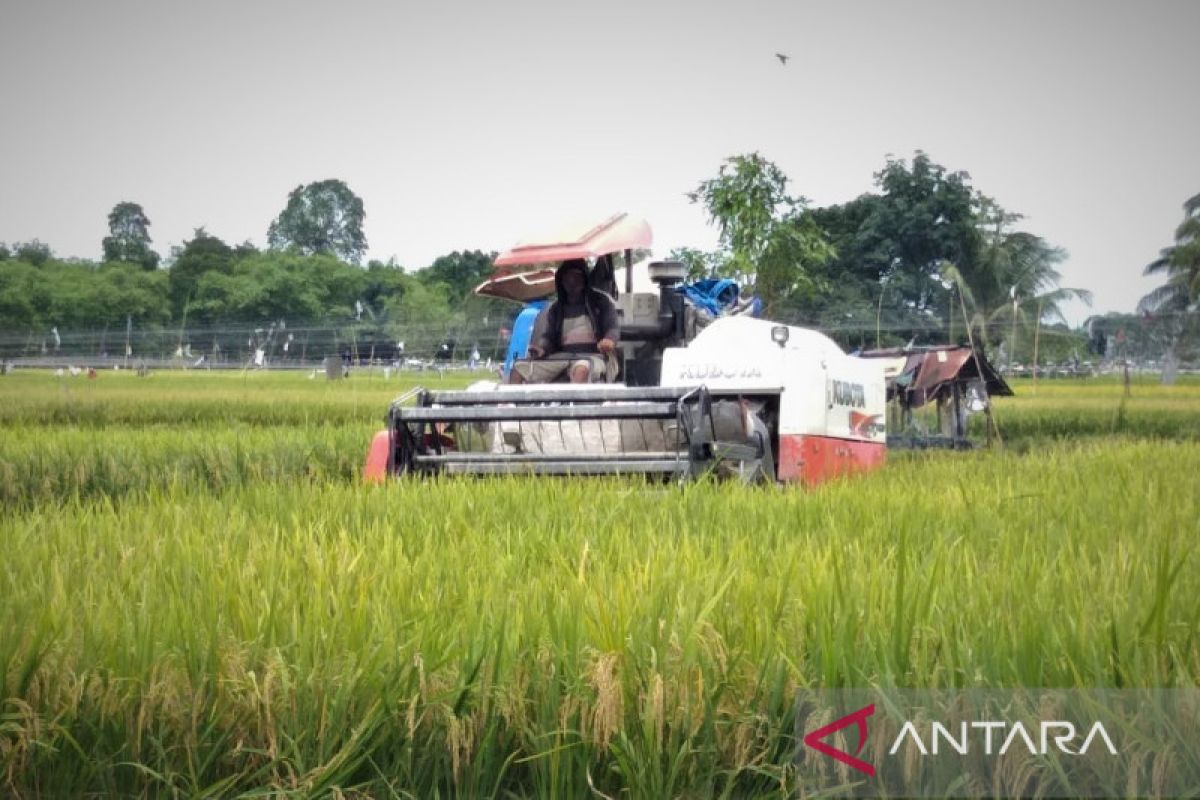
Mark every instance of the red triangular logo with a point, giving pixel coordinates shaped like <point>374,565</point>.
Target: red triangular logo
<point>859,718</point>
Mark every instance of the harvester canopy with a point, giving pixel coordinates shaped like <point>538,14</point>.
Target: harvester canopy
<point>591,241</point>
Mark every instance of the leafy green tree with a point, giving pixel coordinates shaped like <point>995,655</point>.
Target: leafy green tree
<point>322,217</point>
<point>1180,263</point>
<point>459,272</point>
<point>244,249</point>
<point>202,253</point>
<point>700,263</point>
<point>421,317</point>
<point>884,283</point>
<point>5,253</point>
<point>1015,284</point>
<point>849,287</point>
<point>80,296</point>
<point>21,295</point>
<point>768,241</point>
<point>129,236</point>
<point>383,282</point>
<point>456,275</point>
<point>272,286</point>
<point>32,252</point>
<point>1174,306</point>
<point>125,290</point>
<point>1143,336</point>
<point>927,216</point>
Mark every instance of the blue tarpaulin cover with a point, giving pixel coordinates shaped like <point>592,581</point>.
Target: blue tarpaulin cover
<point>713,295</point>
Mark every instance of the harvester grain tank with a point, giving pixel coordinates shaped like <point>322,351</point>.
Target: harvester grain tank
<point>734,395</point>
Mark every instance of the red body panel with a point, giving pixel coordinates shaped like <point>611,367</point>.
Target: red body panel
<point>375,470</point>
<point>814,459</point>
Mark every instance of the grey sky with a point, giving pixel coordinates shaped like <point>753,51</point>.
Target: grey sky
<point>463,125</point>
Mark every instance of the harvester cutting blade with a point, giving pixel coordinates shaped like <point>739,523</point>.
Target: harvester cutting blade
<point>555,430</point>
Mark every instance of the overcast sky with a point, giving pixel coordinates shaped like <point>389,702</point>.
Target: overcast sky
<point>463,125</point>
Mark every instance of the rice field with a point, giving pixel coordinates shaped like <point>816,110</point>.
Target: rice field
<point>199,598</point>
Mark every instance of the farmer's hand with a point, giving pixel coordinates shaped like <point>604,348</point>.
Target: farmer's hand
<point>605,346</point>
<point>535,351</point>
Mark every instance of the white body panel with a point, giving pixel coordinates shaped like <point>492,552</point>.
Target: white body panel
<point>822,391</point>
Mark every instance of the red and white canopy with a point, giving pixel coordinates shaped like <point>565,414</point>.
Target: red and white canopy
<point>589,240</point>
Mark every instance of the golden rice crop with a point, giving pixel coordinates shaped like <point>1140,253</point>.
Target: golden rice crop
<point>249,618</point>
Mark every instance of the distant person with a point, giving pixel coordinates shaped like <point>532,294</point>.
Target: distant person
<point>574,335</point>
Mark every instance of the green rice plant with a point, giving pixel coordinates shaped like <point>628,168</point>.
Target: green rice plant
<point>122,399</point>
<point>1071,409</point>
<point>52,465</point>
<point>523,637</point>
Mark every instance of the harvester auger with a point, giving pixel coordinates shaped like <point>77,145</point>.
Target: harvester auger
<point>700,389</point>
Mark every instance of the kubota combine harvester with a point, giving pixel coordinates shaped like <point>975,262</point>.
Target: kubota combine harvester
<point>697,392</point>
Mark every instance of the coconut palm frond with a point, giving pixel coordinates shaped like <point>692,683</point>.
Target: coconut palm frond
<point>1062,295</point>
<point>1188,230</point>
<point>1170,297</point>
<point>1180,263</point>
<point>979,323</point>
<point>951,274</point>
<point>1160,264</point>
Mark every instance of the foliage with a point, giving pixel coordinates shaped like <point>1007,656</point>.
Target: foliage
<point>765,240</point>
<point>80,295</point>
<point>201,254</point>
<point>421,317</point>
<point>1015,283</point>
<point>128,237</point>
<point>1144,336</point>
<point>889,249</point>
<point>33,252</point>
<point>902,257</point>
<point>324,217</point>
<point>279,286</point>
<point>21,286</point>
<point>701,264</point>
<point>1180,263</point>
<point>459,272</point>
<point>927,216</point>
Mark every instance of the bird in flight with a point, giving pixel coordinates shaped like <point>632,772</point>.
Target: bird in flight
<point>783,59</point>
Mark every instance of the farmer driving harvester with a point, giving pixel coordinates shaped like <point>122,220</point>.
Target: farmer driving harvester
<point>701,385</point>
<point>575,335</point>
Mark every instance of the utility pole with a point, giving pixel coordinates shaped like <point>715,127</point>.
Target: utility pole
<point>1037,332</point>
<point>1012,342</point>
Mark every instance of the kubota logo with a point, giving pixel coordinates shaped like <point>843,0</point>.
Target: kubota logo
<point>865,424</point>
<point>858,718</point>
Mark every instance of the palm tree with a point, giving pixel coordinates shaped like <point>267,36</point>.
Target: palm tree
<point>1181,265</point>
<point>1014,281</point>
<point>1018,272</point>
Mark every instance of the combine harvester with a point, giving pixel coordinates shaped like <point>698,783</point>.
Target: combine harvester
<point>729,394</point>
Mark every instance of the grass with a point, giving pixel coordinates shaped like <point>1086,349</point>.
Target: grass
<point>217,607</point>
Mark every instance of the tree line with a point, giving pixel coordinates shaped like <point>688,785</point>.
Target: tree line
<point>928,258</point>
<point>925,258</point>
